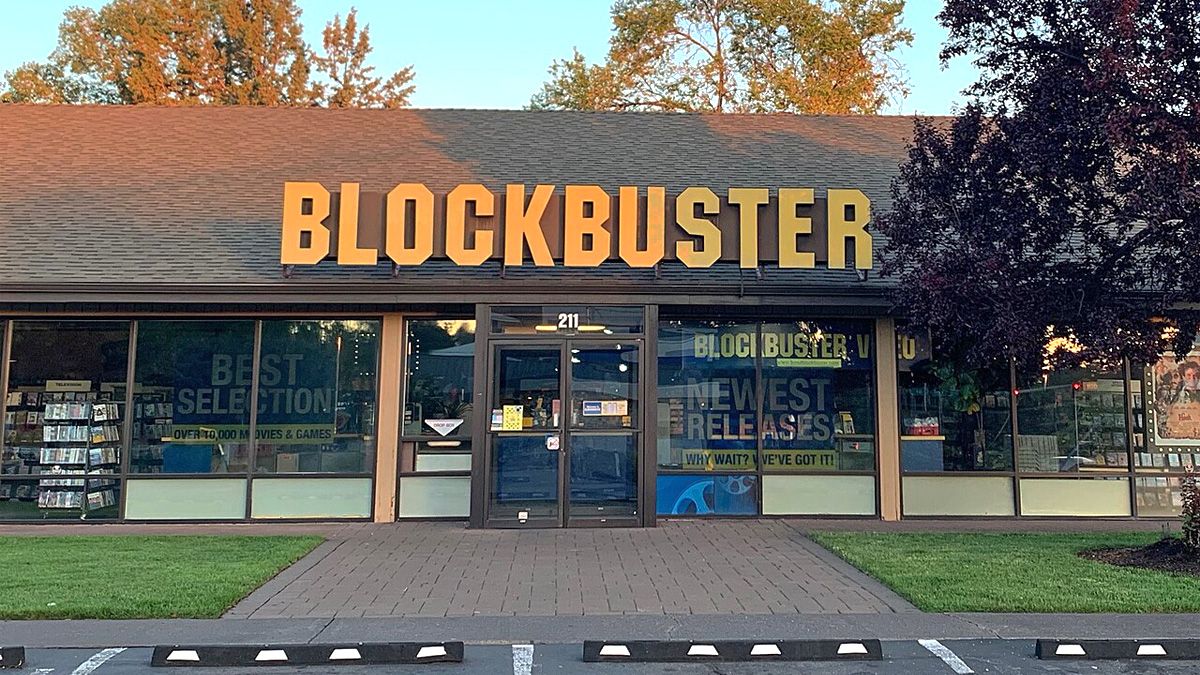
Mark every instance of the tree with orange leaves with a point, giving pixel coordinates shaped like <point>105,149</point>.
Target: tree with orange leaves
<point>204,52</point>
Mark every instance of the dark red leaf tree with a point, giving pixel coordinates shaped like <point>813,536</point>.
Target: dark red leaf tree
<point>1065,200</point>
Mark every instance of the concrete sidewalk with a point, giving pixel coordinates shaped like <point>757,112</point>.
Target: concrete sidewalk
<point>559,630</point>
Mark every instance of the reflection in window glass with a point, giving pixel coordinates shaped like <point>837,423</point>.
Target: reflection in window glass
<point>316,396</point>
<point>191,399</point>
<point>938,429</point>
<point>524,478</point>
<point>64,414</point>
<point>434,497</point>
<point>1167,418</point>
<point>604,386</point>
<point>818,400</point>
<point>707,402</point>
<point>439,377</point>
<point>603,476</point>
<point>527,389</point>
<point>1158,496</point>
<point>438,455</point>
<point>1072,421</point>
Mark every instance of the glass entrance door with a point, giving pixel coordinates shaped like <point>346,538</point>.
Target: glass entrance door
<point>564,433</point>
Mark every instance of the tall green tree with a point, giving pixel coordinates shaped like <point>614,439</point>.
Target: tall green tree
<point>203,52</point>
<point>804,56</point>
<point>351,83</point>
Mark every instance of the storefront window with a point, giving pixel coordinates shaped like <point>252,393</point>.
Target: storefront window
<point>815,413</point>
<point>439,377</point>
<point>435,471</point>
<point>192,383</point>
<point>316,396</point>
<point>944,424</point>
<point>1166,414</point>
<point>1072,421</point>
<point>64,419</point>
<point>1159,496</point>
<point>818,396</point>
<point>707,397</point>
<point>1166,430</point>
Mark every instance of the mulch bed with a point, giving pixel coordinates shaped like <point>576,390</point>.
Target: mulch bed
<point>1164,555</point>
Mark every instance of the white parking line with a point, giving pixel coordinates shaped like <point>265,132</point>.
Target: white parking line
<point>522,659</point>
<point>98,659</point>
<point>950,658</point>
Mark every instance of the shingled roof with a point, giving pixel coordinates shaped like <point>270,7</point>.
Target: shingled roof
<point>148,202</point>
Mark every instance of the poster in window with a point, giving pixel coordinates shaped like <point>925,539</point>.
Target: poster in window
<point>1174,400</point>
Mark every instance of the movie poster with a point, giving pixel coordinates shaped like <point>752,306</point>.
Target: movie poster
<point>1174,400</point>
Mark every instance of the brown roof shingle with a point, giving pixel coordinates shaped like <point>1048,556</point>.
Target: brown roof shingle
<point>156,197</point>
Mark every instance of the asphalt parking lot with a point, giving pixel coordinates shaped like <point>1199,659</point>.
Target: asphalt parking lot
<point>900,657</point>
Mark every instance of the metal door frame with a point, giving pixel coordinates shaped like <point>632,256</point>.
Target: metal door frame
<point>494,347</point>
<point>483,457</point>
<point>638,432</point>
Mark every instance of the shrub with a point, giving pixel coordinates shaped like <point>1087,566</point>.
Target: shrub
<point>1191,509</point>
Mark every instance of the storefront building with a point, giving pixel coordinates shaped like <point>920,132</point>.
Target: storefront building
<point>518,319</point>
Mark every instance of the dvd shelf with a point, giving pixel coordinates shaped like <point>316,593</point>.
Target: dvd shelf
<point>66,447</point>
<point>152,426</point>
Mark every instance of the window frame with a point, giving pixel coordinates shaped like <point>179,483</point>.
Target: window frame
<point>758,320</point>
<point>250,475</point>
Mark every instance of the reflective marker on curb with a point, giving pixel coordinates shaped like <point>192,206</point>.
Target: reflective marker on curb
<point>353,654</point>
<point>1096,650</point>
<point>431,652</point>
<point>730,651</point>
<point>1069,650</point>
<point>1151,650</point>
<point>765,650</point>
<point>852,648</point>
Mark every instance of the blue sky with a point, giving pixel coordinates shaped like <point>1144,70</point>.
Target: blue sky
<point>494,53</point>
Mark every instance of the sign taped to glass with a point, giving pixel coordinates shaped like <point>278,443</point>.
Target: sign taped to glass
<point>583,226</point>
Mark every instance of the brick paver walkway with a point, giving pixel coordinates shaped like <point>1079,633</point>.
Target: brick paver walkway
<point>443,569</point>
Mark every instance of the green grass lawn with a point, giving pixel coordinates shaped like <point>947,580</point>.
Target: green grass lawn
<point>947,572</point>
<point>135,577</point>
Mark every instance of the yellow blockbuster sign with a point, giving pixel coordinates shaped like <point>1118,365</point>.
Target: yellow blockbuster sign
<point>581,226</point>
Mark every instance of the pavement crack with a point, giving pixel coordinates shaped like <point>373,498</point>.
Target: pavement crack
<point>321,632</point>
<point>993,632</point>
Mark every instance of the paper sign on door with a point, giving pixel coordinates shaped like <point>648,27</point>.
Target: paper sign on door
<point>513,414</point>
<point>605,408</point>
